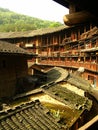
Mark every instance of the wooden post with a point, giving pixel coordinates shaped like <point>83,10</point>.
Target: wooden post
<point>37,50</point>
<point>72,8</point>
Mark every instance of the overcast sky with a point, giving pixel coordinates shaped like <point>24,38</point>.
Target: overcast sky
<point>44,9</point>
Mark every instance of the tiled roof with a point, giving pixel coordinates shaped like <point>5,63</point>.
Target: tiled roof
<point>29,116</point>
<point>31,33</point>
<point>74,104</point>
<point>56,74</point>
<point>71,99</point>
<point>53,88</point>
<point>9,48</point>
<point>83,84</point>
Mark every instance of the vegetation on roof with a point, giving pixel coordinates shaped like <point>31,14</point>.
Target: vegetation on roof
<point>11,21</point>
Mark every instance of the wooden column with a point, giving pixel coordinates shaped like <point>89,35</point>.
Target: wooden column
<point>72,8</point>
<point>37,49</point>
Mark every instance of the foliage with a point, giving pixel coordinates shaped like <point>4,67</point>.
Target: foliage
<point>11,21</point>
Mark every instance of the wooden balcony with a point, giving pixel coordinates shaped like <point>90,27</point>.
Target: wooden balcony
<point>86,65</point>
<point>73,64</point>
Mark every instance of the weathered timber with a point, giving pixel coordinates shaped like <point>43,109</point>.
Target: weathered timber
<point>77,18</point>
<point>90,123</point>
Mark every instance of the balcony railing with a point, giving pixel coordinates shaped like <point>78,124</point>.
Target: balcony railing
<point>86,65</point>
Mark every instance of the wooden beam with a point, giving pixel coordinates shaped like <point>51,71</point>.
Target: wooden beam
<point>77,18</point>
<point>88,124</point>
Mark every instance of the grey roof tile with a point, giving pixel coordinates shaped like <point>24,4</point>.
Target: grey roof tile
<point>8,48</point>
<point>30,116</point>
<point>31,33</point>
<point>71,99</point>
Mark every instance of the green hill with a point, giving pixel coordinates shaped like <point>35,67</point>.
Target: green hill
<point>11,21</point>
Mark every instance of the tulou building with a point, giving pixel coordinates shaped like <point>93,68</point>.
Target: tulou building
<point>68,47</point>
<point>49,77</point>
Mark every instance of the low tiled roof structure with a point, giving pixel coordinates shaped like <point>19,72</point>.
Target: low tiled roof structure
<point>8,48</point>
<point>28,116</point>
<point>75,105</point>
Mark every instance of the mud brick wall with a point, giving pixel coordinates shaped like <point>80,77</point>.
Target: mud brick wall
<point>11,68</point>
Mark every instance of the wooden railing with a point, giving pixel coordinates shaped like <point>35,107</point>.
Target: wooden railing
<point>86,65</point>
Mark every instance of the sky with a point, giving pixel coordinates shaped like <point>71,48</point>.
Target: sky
<point>43,9</point>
